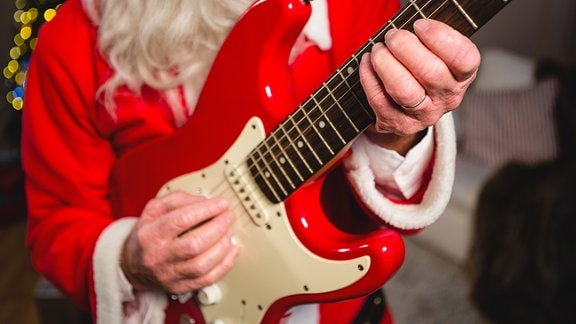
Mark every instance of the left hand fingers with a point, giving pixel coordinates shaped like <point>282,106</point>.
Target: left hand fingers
<point>390,118</point>
<point>417,77</point>
<point>458,52</point>
<point>435,59</point>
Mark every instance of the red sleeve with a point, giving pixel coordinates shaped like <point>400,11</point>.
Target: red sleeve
<point>66,160</point>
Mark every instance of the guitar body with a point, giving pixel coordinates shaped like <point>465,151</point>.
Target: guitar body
<point>290,252</point>
<point>248,142</point>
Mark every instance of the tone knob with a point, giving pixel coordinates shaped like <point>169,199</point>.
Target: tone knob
<point>210,295</point>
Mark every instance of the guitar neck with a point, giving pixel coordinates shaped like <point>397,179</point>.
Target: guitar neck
<point>336,113</point>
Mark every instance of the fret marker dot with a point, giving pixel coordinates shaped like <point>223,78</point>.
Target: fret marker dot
<point>267,174</point>
<point>300,144</point>
<point>322,124</point>
<point>350,70</point>
<point>282,160</point>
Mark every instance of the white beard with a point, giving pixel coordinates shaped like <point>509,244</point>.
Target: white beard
<point>167,44</point>
<point>163,44</point>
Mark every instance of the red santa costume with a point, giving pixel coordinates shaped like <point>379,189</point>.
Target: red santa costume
<point>71,142</point>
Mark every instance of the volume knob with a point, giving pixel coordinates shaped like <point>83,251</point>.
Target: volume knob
<point>210,295</point>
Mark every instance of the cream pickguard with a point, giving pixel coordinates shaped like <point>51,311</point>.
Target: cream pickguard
<point>272,262</point>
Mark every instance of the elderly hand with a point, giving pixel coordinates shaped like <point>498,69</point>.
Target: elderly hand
<point>181,243</point>
<point>413,79</point>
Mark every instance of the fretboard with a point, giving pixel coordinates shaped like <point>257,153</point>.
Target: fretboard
<point>336,113</point>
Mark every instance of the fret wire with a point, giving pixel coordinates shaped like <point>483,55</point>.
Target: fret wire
<point>312,123</point>
<point>336,100</point>
<point>419,11</point>
<point>348,91</point>
<point>286,157</point>
<point>460,9</point>
<point>328,119</point>
<point>278,160</point>
<point>297,150</point>
<point>276,169</point>
<point>302,139</point>
<point>336,104</point>
<point>404,17</point>
<point>352,67</point>
<point>372,41</point>
<point>349,87</point>
<point>368,110</point>
<point>270,171</point>
<point>413,2</point>
<point>260,173</point>
<point>413,17</point>
<point>307,143</point>
<point>465,14</point>
<point>437,8</point>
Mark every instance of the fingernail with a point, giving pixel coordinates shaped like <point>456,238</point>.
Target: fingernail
<point>378,44</point>
<point>421,25</point>
<point>390,33</point>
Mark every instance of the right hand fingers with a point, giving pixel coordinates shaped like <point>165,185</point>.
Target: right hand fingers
<point>180,243</point>
<point>203,269</point>
<point>182,212</point>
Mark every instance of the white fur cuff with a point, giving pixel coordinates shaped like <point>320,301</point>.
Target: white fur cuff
<point>436,197</point>
<point>318,27</point>
<point>112,288</point>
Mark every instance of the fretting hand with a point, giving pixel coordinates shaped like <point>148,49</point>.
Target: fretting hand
<point>413,79</point>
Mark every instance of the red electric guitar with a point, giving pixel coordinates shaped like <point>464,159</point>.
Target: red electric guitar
<point>291,253</point>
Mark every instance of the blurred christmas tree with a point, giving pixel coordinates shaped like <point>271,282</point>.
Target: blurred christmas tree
<point>29,15</point>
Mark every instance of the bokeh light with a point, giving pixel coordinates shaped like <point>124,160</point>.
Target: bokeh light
<point>28,17</point>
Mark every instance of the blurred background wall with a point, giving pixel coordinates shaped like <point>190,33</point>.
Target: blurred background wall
<point>534,28</point>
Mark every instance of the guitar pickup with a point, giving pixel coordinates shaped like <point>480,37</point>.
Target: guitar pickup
<point>248,193</point>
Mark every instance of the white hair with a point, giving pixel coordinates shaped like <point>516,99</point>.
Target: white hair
<point>163,44</point>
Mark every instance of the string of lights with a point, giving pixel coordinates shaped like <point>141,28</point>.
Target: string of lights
<point>28,17</point>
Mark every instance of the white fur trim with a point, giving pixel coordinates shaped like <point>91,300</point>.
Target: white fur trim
<point>401,176</point>
<point>436,197</point>
<point>110,284</point>
<point>317,30</point>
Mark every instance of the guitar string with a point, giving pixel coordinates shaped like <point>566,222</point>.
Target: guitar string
<point>222,189</point>
<point>339,86</point>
